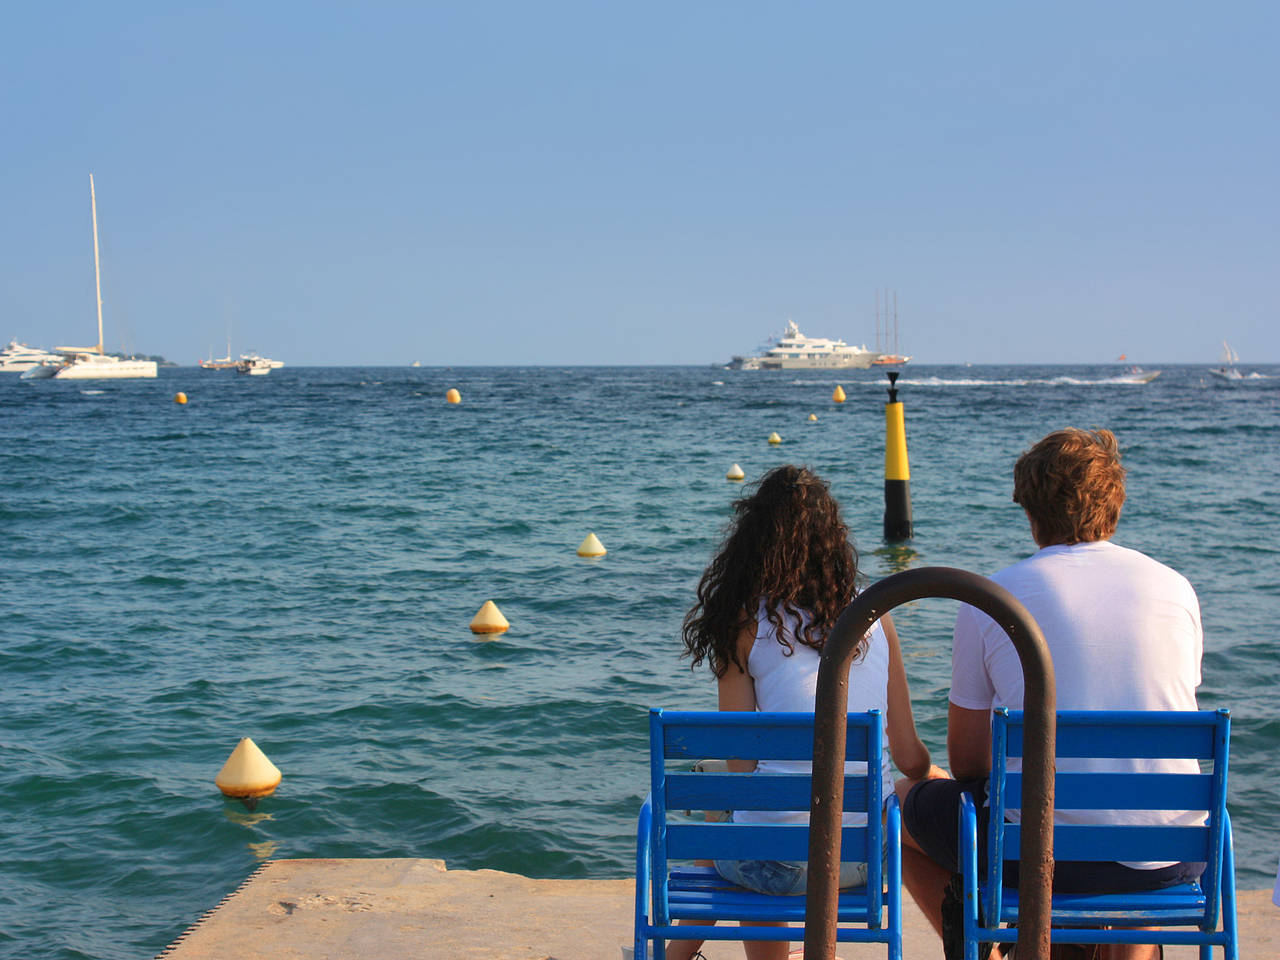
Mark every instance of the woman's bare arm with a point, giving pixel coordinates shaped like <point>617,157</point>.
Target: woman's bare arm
<point>738,690</point>
<point>909,753</point>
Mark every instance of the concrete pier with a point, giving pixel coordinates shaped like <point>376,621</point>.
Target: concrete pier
<point>396,909</point>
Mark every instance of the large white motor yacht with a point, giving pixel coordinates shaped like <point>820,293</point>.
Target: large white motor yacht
<point>794,351</point>
<point>18,357</point>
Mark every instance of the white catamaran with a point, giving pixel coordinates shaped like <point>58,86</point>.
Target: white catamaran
<point>91,363</point>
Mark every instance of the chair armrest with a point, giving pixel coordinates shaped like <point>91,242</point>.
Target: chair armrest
<point>893,860</point>
<point>644,855</point>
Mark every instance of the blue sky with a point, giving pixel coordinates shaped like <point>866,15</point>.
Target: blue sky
<point>513,183</point>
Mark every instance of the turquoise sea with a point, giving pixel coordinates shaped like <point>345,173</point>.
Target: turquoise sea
<point>296,558</point>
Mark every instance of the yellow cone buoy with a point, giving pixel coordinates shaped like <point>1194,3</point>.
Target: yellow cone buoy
<point>179,397</point>
<point>813,418</point>
<point>774,438</point>
<point>248,775</point>
<point>735,473</point>
<point>838,394</point>
<point>591,547</point>
<point>453,396</point>
<point>489,619</point>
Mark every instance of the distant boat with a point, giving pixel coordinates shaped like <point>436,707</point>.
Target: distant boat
<point>255,365</point>
<point>19,358</point>
<point>1228,359</point>
<point>1138,375</point>
<point>91,363</point>
<point>218,363</point>
<point>794,351</point>
<point>884,356</point>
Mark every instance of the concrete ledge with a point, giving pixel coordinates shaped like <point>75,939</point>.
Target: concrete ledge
<point>372,909</point>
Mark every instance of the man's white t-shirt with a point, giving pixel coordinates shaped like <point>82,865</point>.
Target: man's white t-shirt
<point>1124,634</point>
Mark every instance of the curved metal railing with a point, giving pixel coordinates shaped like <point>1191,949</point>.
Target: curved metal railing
<point>1039,707</point>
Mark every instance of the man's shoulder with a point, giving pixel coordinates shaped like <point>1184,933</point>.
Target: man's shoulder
<point>1116,555</point>
<point>1089,560</point>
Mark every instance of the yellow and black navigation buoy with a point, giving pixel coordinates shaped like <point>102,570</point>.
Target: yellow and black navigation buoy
<point>735,473</point>
<point>453,396</point>
<point>489,619</point>
<point>591,547</point>
<point>248,775</point>
<point>838,394</point>
<point>179,397</point>
<point>897,474</point>
<point>774,438</point>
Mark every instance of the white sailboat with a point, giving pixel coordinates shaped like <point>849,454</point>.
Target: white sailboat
<point>1228,359</point>
<point>92,363</point>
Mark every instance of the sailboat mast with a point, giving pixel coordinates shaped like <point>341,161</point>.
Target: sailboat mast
<point>97,272</point>
<point>895,323</point>
<point>878,320</point>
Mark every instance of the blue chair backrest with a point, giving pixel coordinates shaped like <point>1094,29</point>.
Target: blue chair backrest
<point>1197,735</point>
<point>687,736</point>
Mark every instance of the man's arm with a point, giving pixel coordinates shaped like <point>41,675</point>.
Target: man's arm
<point>968,742</point>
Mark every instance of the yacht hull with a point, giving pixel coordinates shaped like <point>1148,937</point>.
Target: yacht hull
<point>852,362</point>
<point>42,371</point>
<point>99,370</point>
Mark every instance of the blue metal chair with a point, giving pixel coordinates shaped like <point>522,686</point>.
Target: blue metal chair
<point>669,888</point>
<point>1199,735</point>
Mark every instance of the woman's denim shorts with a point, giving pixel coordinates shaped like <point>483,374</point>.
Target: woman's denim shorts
<point>783,877</point>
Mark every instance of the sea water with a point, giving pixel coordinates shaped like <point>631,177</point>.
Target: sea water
<point>296,558</point>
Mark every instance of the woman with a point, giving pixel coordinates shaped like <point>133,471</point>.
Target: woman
<point>765,605</point>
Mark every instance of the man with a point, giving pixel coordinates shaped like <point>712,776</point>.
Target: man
<point>1124,634</point>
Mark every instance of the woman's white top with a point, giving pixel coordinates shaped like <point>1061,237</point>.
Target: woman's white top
<point>788,682</point>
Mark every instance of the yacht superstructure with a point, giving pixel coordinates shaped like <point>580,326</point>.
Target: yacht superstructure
<point>18,357</point>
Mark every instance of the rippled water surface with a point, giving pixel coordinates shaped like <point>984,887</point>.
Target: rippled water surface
<point>296,558</point>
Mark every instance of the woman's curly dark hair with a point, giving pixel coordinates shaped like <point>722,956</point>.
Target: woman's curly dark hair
<point>786,545</point>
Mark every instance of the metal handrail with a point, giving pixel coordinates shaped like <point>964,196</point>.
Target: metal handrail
<point>1039,706</point>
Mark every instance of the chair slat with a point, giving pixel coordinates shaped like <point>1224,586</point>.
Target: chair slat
<point>1128,733</point>
<point>753,791</point>
<point>786,736</point>
<point>1123,791</point>
<point>1127,843</point>
<point>753,841</point>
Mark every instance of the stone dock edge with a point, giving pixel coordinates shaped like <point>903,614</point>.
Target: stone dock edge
<point>318,909</point>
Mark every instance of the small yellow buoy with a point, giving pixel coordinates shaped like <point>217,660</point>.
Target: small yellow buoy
<point>179,397</point>
<point>453,396</point>
<point>774,438</point>
<point>838,394</point>
<point>489,619</point>
<point>248,775</point>
<point>591,547</point>
<point>735,473</point>
<point>813,418</point>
